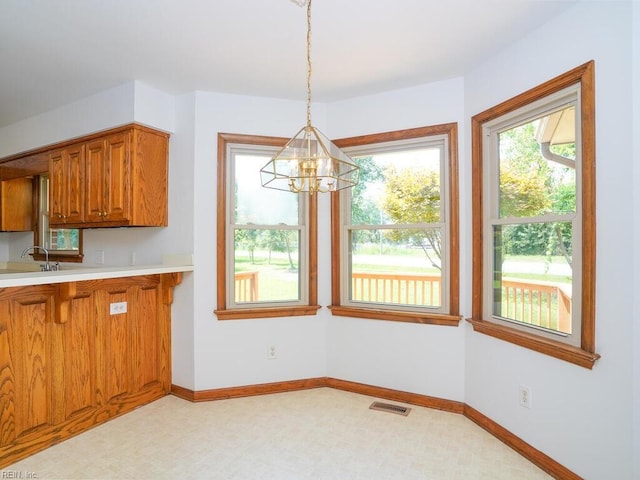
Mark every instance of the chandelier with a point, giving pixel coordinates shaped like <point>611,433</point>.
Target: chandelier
<point>309,162</point>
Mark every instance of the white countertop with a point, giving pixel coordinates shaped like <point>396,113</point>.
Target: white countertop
<point>78,274</point>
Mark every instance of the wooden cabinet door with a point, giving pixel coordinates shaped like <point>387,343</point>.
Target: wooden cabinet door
<point>117,177</point>
<point>94,181</point>
<point>57,204</point>
<point>114,334</point>
<point>107,179</point>
<point>149,339</point>
<point>75,184</point>
<point>27,370</point>
<point>16,205</point>
<point>75,349</point>
<point>66,185</point>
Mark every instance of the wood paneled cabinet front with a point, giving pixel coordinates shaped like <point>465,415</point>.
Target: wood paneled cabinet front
<point>66,185</point>
<point>68,362</point>
<point>108,179</point>
<point>122,181</point>
<point>16,205</point>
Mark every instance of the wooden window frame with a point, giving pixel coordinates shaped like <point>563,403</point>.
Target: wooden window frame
<point>452,318</point>
<point>584,355</point>
<point>54,255</point>
<point>285,310</point>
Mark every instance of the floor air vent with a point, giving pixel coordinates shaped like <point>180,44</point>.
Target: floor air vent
<point>387,407</point>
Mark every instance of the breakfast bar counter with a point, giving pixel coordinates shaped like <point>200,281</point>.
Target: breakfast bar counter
<point>78,347</point>
<point>13,275</point>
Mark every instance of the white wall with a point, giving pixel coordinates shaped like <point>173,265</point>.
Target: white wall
<point>234,352</point>
<point>4,246</point>
<point>424,359</point>
<point>181,213</point>
<point>579,417</point>
<point>636,234</point>
<point>98,112</point>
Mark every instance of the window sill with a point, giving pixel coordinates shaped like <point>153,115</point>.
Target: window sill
<point>556,349</point>
<point>396,316</point>
<point>58,257</point>
<point>246,313</point>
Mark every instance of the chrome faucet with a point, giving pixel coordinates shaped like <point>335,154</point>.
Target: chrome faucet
<point>47,267</point>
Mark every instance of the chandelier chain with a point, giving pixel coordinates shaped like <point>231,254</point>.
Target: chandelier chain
<point>309,162</point>
<point>308,63</point>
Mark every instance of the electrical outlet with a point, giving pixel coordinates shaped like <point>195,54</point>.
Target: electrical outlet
<point>100,257</point>
<point>117,308</point>
<point>272,353</point>
<point>524,396</point>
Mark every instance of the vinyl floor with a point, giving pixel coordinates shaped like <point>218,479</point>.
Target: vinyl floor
<point>312,434</point>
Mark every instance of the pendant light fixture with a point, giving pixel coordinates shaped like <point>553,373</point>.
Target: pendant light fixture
<point>309,162</point>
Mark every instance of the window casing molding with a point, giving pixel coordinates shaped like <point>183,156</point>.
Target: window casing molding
<point>42,232</point>
<point>582,354</point>
<point>227,310</point>
<point>449,313</point>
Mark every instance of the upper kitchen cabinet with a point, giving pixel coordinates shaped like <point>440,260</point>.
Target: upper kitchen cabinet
<point>17,212</point>
<point>114,179</point>
<point>16,205</point>
<point>66,191</point>
<point>108,179</point>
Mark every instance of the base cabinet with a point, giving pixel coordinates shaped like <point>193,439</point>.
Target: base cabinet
<point>27,370</point>
<point>70,360</point>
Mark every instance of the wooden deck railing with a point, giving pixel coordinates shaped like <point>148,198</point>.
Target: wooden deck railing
<point>404,289</point>
<point>246,287</point>
<point>543,304</point>
<point>538,303</point>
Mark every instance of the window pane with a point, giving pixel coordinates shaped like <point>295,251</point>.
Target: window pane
<point>400,187</point>
<point>537,166</point>
<point>67,239</point>
<point>266,265</point>
<point>533,274</point>
<point>59,241</point>
<point>255,204</point>
<point>396,266</point>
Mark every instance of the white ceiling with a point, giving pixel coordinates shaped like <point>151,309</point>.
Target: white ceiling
<point>53,52</point>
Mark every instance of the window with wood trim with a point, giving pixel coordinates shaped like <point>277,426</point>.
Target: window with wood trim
<point>63,244</point>
<point>266,238</point>
<point>395,235</point>
<point>534,218</point>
